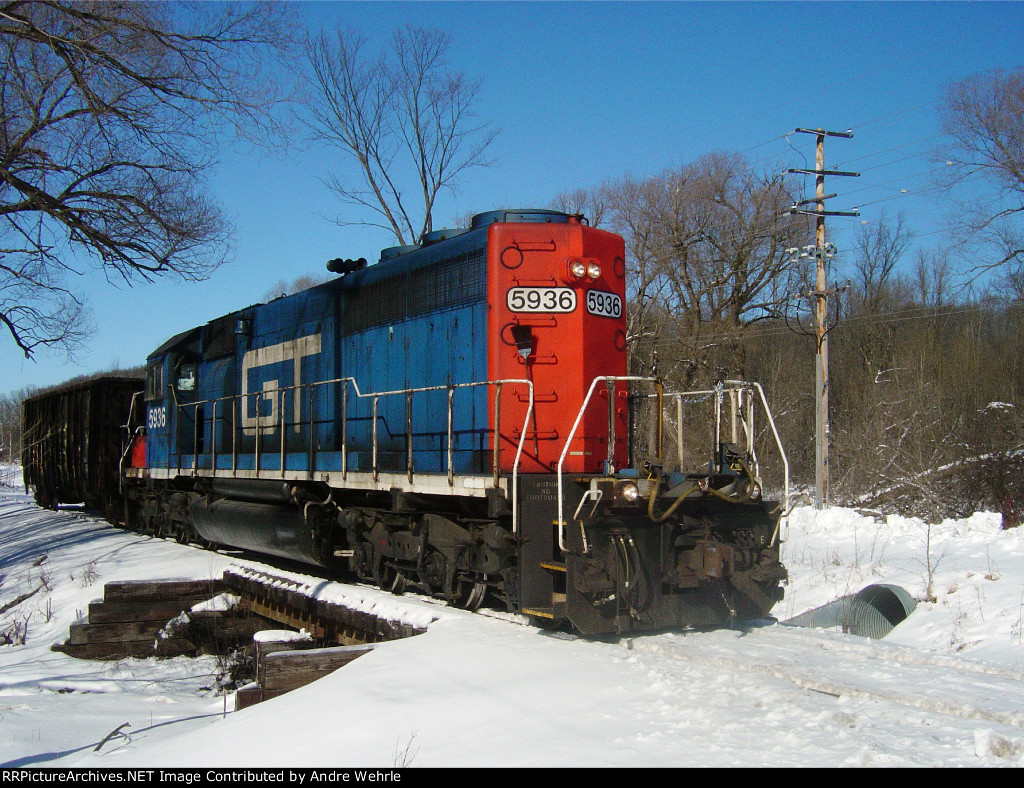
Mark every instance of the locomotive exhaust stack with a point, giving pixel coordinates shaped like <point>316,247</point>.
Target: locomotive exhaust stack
<point>458,419</point>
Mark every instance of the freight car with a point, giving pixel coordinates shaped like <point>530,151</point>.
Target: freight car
<point>72,438</point>
<point>458,418</point>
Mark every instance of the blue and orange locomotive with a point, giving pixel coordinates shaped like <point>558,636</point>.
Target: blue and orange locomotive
<point>458,418</point>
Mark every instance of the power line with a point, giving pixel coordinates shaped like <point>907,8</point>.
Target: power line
<point>755,333</point>
<point>891,149</point>
<point>896,114</point>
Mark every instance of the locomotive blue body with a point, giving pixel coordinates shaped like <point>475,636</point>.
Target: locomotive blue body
<point>415,323</point>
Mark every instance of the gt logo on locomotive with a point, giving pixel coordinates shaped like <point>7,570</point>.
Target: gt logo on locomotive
<point>293,350</point>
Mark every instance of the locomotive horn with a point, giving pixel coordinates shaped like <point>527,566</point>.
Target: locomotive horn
<point>340,266</point>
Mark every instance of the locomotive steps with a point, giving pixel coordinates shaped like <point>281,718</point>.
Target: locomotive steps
<point>242,612</point>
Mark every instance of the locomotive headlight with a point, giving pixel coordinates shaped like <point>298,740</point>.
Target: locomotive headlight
<point>594,271</point>
<point>628,491</point>
<point>577,269</point>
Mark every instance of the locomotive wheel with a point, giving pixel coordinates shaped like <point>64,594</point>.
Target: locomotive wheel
<point>476,596</point>
<point>389,578</point>
<point>465,594</point>
<point>435,569</point>
<point>362,561</point>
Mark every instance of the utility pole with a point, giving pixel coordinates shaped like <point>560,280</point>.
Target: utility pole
<point>821,293</point>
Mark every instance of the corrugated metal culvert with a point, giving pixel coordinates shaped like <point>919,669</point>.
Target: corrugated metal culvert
<point>871,612</point>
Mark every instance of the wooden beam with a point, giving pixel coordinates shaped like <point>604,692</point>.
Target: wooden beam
<point>288,670</point>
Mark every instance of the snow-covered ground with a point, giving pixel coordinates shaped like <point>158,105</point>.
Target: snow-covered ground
<point>945,688</point>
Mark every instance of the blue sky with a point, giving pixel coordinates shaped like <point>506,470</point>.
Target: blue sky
<point>585,92</point>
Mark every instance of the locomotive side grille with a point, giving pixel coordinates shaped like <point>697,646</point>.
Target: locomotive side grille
<point>454,282</point>
<point>460,281</point>
<point>376,304</point>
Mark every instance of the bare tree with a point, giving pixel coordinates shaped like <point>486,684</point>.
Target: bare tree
<point>876,288</point>
<point>403,116</point>
<point>591,203</point>
<point>708,248</point>
<point>107,115</point>
<point>10,425</point>
<point>304,282</point>
<point>932,277</point>
<point>876,254</point>
<point>983,115</point>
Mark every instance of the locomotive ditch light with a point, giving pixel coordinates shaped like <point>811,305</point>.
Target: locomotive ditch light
<point>627,491</point>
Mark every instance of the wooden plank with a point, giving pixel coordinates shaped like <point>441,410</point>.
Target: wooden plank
<point>280,601</point>
<point>283,616</point>
<point>161,591</point>
<point>267,647</point>
<point>247,696</point>
<point>117,612</point>
<point>288,670</point>
<point>227,625</point>
<point>171,647</point>
<point>123,632</point>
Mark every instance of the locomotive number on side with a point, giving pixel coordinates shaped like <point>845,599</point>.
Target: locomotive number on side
<point>604,304</point>
<point>541,299</point>
<point>157,418</point>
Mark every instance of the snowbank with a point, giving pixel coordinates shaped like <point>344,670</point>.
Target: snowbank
<point>945,688</point>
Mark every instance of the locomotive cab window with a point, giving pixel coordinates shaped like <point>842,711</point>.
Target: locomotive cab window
<point>186,377</point>
<point>155,381</point>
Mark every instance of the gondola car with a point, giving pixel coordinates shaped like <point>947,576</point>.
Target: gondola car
<point>72,438</point>
<point>457,418</point>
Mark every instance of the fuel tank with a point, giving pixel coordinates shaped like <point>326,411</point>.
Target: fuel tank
<point>260,527</point>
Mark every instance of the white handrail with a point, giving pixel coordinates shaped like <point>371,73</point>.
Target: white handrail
<point>784,517</point>
<point>735,384</point>
<point>375,395</point>
<point>572,434</point>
